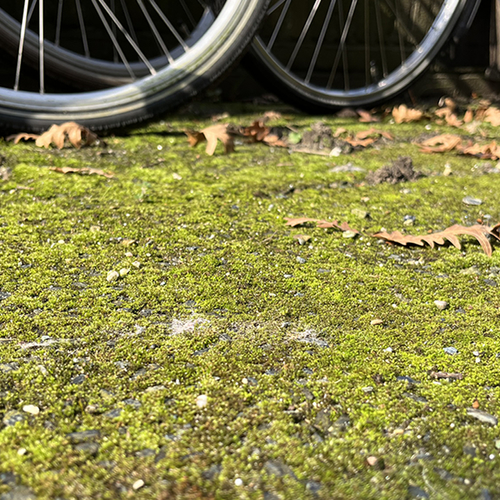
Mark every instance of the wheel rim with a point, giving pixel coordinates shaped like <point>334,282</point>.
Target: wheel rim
<point>98,43</point>
<point>353,51</point>
<point>191,65</point>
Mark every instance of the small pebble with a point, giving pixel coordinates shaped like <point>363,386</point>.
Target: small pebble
<point>482,416</point>
<point>450,350</point>
<point>349,234</point>
<point>123,272</point>
<point>468,200</point>
<point>112,276</point>
<point>138,484</point>
<point>22,451</point>
<point>31,409</point>
<point>301,260</point>
<point>376,321</point>
<point>136,264</point>
<point>441,304</point>
<point>201,401</point>
<point>238,482</point>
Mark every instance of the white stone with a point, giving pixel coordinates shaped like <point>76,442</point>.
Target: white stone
<point>31,409</point>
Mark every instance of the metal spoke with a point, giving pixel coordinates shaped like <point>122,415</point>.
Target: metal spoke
<point>278,25</point>
<point>188,13</point>
<point>32,9</point>
<point>159,39</point>
<point>57,40</point>
<point>129,21</point>
<point>319,43</point>
<point>22,36</point>
<point>170,26</point>
<point>400,36</point>
<point>303,34</point>
<point>381,38</point>
<point>367,43</point>
<point>341,49</point>
<point>82,29</point>
<point>125,34</point>
<point>401,22</point>
<point>115,54</point>
<point>41,61</point>
<point>113,39</point>
<point>276,6</point>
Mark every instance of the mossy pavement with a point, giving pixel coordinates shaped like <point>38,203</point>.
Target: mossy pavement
<point>305,397</point>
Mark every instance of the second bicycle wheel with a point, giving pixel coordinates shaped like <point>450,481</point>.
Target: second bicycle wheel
<point>146,55</point>
<point>326,54</point>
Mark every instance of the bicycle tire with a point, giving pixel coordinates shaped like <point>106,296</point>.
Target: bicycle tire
<point>86,72</point>
<point>210,57</point>
<point>304,85</point>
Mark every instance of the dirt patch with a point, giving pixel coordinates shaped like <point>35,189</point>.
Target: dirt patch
<point>400,170</point>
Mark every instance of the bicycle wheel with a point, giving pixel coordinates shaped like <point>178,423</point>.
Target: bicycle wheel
<point>157,52</point>
<point>323,55</point>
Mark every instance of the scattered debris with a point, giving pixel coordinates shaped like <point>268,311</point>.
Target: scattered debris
<point>343,226</point>
<point>400,170</point>
<point>77,135</point>
<point>479,232</point>
<point>83,171</point>
<point>221,132</point>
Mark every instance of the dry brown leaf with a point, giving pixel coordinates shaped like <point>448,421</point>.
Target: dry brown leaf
<point>363,134</point>
<point>360,142</point>
<point>366,116</point>
<point>489,151</point>
<point>450,117</point>
<point>403,114</point>
<point>220,132</point>
<point>339,131</point>
<point>469,116</point>
<point>477,231</point>
<point>76,134</point>
<point>325,224</point>
<point>492,115</point>
<point>257,131</point>
<point>83,171</point>
<point>440,143</point>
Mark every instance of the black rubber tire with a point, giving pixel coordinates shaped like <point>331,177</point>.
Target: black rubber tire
<point>290,88</point>
<point>151,96</point>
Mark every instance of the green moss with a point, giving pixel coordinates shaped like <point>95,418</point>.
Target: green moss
<point>301,387</point>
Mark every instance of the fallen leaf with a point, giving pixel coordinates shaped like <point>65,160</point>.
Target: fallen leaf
<point>220,132</point>
<point>477,231</point>
<point>492,115</point>
<point>76,134</point>
<point>403,114</point>
<point>339,131</point>
<point>366,116</point>
<point>257,131</point>
<point>469,116</point>
<point>363,134</point>
<point>83,171</point>
<point>475,404</point>
<point>343,226</point>
<point>360,142</point>
<point>440,143</point>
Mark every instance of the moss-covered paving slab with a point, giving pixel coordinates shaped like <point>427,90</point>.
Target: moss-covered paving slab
<point>227,360</point>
